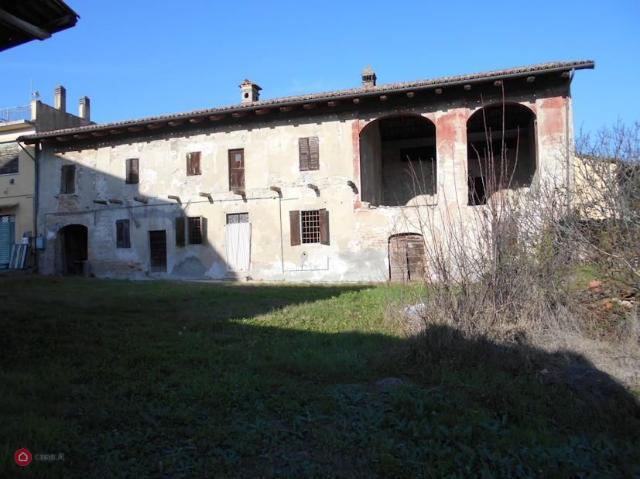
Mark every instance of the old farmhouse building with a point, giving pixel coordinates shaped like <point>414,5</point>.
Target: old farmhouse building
<point>319,187</point>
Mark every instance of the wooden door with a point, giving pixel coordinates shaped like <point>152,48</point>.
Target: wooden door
<point>406,257</point>
<point>158,250</point>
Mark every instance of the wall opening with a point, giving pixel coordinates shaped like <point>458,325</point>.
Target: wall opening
<point>501,150</point>
<point>398,160</point>
<point>72,250</point>
<point>158,251</point>
<point>406,257</point>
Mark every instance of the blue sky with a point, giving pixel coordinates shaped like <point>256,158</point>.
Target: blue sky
<point>137,58</point>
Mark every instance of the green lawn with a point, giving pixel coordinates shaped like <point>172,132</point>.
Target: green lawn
<point>163,379</point>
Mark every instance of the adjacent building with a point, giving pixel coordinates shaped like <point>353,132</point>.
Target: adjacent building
<point>18,167</point>
<point>322,187</point>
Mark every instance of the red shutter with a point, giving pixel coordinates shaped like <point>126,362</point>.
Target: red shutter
<point>314,153</point>
<point>303,148</point>
<point>294,227</point>
<point>324,227</point>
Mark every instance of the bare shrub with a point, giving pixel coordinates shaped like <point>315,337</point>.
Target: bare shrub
<point>504,270</point>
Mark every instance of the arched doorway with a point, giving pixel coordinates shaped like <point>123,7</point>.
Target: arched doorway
<point>406,257</point>
<point>501,150</point>
<point>398,160</point>
<point>72,250</point>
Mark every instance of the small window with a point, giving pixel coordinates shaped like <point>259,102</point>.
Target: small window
<point>133,173</point>
<point>310,226</point>
<point>196,226</point>
<point>193,163</point>
<point>309,153</point>
<point>68,180</point>
<point>237,218</point>
<point>236,170</point>
<point>9,161</point>
<point>123,236</point>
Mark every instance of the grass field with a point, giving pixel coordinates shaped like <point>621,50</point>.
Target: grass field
<point>163,379</point>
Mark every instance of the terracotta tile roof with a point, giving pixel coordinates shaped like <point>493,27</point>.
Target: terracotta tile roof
<point>389,88</point>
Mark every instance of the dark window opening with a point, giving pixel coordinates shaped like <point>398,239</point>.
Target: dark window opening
<point>233,218</point>
<point>236,170</point>
<point>309,153</point>
<point>398,161</point>
<point>133,173</point>
<point>68,183</point>
<point>123,235</point>
<point>9,159</point>
<point>501,150</point>
<point>196,226</point>
<point>193,163</point>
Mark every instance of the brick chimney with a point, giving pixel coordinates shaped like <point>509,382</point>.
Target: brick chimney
<point>60,98</point>
<point>84,108</point>
<point>250,91</point>
<point>368,77</point>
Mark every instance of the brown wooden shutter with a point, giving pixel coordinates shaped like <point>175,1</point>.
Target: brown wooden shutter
<point>180,227</point>
<point>236,170</point>
<point>314,153</point>
<point>303,148</point>
<point>324,227</point>
<point>193,163</point>
<point>294,227</point>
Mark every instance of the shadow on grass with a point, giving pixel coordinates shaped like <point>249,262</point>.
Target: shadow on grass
<point>197,380</point>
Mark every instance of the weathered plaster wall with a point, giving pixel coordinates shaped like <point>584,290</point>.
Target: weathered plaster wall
<point>359,231</point>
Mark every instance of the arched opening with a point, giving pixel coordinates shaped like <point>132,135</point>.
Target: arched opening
<point>501,150</point>
<point>72,250</point>
<point>398,160</point>
<point>406,257</point>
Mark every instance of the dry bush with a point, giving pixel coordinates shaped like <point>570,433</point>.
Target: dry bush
<point>505,270</point>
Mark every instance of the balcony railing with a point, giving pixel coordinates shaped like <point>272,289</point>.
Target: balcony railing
<point>15,113</point>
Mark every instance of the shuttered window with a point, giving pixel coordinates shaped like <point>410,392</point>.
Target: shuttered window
<point>309,153</point>
<point>180,229</point>
<point>123,235</point>
<point>9,161</point>
<point>236,170</point>
<point>197,227</point>
<point>133,176</point>
<point>68,179</point>
<point>310,226</point>
<point>193,163</point>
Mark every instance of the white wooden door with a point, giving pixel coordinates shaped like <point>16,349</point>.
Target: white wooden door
<point>238,246</point>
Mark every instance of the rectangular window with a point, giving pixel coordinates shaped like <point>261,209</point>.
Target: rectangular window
<point>236,170</point>
<point>9,159</point>
<point>309,153</point>
<point>68,180</point>
<point>193,163</point>
<point>133,173</point>
<point>310,226</point>
<point>197,227</point>
<point>123,236</point>
<point>237,218</point>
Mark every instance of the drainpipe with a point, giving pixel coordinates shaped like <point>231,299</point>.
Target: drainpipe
<point>568,138</point>
<point>35,199</point>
